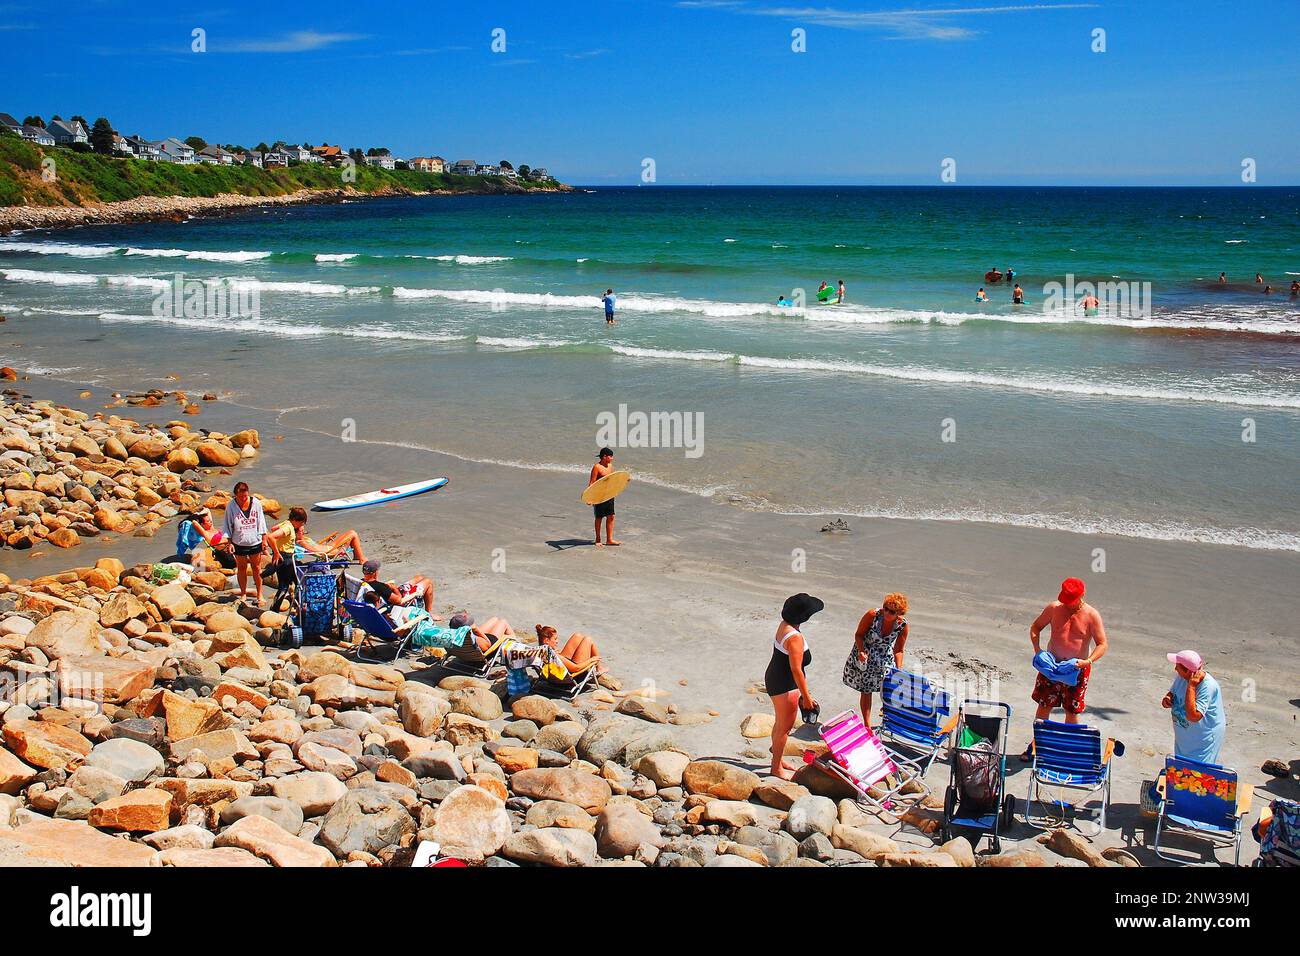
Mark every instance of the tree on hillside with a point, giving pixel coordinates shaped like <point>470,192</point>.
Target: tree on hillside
<point>78,118</point>
<point>263,148</point>
<point>196,143</point>
<point>34,121</point>
<point>101,136</point>
<point>525,170</point>
<point>505,164</point>
<point>357,155</point>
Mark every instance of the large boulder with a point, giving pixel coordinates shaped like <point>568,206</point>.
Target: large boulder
<point>557,813</point>
<point>582,789</point>
<point>366,820</point>
<point>663,767</point>
<point>14,774</point>
<point>721,780</point>
<point>113,680</point>
<point>129,759</point>
<point>214,454</point>
<point>46,744</point>
<point>476,702</point>
<point>621,829</point>
<point>552,846</point>
<point>471,823</point>
<point>285,814</point>
<point>66,634</point>
<point>778,849</point>
<point>809,815</point>
<point>314,792</point>
<point>173,601</point>
<point>264,839</point>
<point>423,714</point>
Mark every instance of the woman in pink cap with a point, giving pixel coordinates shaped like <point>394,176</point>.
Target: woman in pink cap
<point>1196,705</point>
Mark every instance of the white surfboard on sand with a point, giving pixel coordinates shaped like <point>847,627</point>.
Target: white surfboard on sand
<point>381,496</point>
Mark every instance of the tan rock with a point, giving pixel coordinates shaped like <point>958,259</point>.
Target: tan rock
<point>862,842</point>
<point>514,759</point>
<point>214,454</point>
<point>180,460</point>
<point>173,601</point>
<point>139,811</point>
<point>72,633</point>
<point>266,840</point>
<point>114,680</point>
<point>72,843</point>
<point>14,774</point>
<point>45,744</point>
<point>717,779</point>
<point>226,856</point>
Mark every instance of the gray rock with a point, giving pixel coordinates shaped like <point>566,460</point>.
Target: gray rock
<point>368,820</point>
<point>147,730</point>
<point>817,846</point>
<point>435,765</point>
<point>283,813</point>
<point>129,759</point>
<point>779,848</point>
<point>811,814</point>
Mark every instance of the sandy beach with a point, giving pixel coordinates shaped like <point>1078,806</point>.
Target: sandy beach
<point>690,602</point>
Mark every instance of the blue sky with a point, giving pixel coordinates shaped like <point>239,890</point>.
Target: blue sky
<point>709,89</point>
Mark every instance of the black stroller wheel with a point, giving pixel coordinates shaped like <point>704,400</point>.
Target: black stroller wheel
<point>949,804</point>
<point>1008,810</point>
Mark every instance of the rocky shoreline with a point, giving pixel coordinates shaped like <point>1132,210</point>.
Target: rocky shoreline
<point>153,722</point>
<point>175,208</point>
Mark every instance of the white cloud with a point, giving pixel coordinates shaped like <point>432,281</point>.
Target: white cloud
<point>300,41</point>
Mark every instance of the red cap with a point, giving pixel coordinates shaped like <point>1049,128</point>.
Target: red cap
<point>1071,591</point>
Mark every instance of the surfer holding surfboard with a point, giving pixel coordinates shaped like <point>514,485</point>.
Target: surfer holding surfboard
<point>602,486</point>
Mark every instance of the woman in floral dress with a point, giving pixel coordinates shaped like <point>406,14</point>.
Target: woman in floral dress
<point>877,644</point>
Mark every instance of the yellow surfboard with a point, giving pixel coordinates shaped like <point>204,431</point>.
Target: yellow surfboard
<point>603,489</point>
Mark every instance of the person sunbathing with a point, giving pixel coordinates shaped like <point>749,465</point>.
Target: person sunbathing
<point>291,535</point>
<point>577,651</point>
<point>426,633</point>
<point>418,589</point>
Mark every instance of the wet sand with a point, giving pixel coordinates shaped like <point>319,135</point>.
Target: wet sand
<point>691,600</point>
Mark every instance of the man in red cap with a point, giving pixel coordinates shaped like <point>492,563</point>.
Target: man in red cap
<point>1078,636</point>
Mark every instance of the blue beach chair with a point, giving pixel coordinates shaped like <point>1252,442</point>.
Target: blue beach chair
<point>375,628</point>
<point>1278,832</point>
<point>917,717</point>
<point>1202,800</point>
<point>1069,757</point>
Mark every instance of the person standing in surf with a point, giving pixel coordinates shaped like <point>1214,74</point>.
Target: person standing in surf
<point>1018,295</point>
<point>1090,305</point>
<point>839,293</point>
<point>609,299</point>
<point>605,510</point>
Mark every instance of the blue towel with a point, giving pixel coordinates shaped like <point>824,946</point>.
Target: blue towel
<point>1063,672</point>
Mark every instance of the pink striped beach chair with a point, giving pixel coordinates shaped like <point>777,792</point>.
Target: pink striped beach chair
<point>856,755</point>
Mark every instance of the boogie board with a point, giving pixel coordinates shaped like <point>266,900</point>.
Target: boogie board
<point>381,496</point>
<point>826,294</point>
<point>603,489</point>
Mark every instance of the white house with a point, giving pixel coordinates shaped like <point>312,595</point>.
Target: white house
<point>489,170</point>
<point>37,135</point>
<point>464,167</point>
<point>68,132</point>
<point>172,150</point>
<point>8,122</point>
<point>382,160</point>
<point>539,172</point>
<point>251,158</point>
<point>301,155</point>
<point>214,155</point>
<point>275,159</point>
<point>509,172</point>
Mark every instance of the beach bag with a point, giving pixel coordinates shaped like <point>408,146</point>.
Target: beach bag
<point>977,772</point>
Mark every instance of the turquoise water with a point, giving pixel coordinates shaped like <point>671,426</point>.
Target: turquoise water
<point>472,325</point>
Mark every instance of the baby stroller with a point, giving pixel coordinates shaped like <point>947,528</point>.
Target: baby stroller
<point>318,588</point>
<point>976,800</point>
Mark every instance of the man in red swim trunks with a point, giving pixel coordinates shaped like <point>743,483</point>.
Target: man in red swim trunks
<point>1077,635</point>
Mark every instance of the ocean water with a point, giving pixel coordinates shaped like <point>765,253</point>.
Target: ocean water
<point>473,325</point>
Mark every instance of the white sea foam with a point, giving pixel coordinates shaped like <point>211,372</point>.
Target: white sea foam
<point>50,278</point>
<point>60,249</point>
<point>335,256</point>
<point>199,255</point>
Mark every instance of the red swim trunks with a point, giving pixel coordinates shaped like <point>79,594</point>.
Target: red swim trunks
<point>1052,693</point>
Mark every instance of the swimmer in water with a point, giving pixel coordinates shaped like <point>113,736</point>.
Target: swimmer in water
<point>1090,304</point>
<point>1295,287</point>
<point>1223,278</point>
<point>981,296</point>
<point>1018,295</point>
<point>1259,279</point>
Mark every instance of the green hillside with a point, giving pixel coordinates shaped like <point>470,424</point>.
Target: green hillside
<point>83,178</point>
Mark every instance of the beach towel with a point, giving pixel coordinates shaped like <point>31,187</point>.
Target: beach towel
<point>1061,672</point>
<point>428,634</point>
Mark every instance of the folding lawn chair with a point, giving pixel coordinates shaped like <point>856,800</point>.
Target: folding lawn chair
<point>918,717</point>
<point>1202,800</point>
<point>567,683</point>
<point>467,659</point>
<point>375,628</point>
<point>1279,828</point>
<point>856,756</point>
<point>1069,757</point>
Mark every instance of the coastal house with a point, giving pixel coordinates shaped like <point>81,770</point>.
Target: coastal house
<point>142,148</point>
<point>333,155</point>
<point>509,172</point>
<point>489,170</point>
<point>428,164</point>
<point>464,167</point>
<point>36,134</point>
<point>275,159</point>
<point>253,158</point>
<point>300,154</point>
<point>382,160</point>
<point>68,132</point>
<point>539,172</point>
<point>174,151</point>
<point>214,155</point>
<point>9,123</point>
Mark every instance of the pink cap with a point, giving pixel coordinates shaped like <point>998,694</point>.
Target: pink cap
<point>1189,659</point>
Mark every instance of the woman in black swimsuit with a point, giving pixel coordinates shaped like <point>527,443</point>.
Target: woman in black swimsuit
<point>785,680</point>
